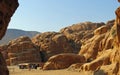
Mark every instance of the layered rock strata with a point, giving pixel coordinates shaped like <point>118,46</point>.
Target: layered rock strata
<point>22,50</point>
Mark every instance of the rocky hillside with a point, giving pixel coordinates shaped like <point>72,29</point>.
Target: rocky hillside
<point>101,52</point>
<point>67,40</point>
<point>91,47</point>
<point>78,33</point>
<point>15,33</point>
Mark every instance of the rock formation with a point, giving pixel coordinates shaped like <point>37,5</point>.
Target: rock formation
<point>77,34</point>
<point>22,50</point>
<point>62,61</point>
<point>7,9</point>
<point>102,54</point>
<point>52,43</point>
<point>3,66</point>
<point>91,47</point>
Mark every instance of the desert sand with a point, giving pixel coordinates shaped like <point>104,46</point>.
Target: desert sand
<point>14,70</point>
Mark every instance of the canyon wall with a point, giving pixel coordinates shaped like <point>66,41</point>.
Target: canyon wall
<point>7,9</point>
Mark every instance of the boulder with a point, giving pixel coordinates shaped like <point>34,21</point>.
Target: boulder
<point>62,61</point>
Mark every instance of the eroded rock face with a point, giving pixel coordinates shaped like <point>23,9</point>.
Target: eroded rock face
<point>3,68</point>
<point>52,43</point>
<point>7,9</point>
<point>77,34</point>
<point>101,40</point>
<point>102,56</point>
<point>62,61</point>
<point>22,50</point>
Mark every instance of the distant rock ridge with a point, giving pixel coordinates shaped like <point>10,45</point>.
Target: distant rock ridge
<point>15,33</point>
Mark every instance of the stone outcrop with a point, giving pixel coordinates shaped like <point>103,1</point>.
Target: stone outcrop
<point>91,48</point>
<point>4,51</point>
<point>52,43</point>
<point>22,50</point>
<point>77,34</point>
<point>62,61</point>
<point>3,66</point>
<point>7,9</point>
<point>102,54</point>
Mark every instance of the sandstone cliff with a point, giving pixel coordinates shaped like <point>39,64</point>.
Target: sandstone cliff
<point>22,50</point>
<point>7,9</point>
<point>101,53</point>
<point>77,34</point>
<point>52,43</point>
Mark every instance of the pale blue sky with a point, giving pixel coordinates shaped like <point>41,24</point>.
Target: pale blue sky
<point>52,15</point>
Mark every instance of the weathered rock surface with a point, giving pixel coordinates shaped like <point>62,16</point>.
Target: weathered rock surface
<point>3,66</point>
<point>77,34</point>
<point>7,9</point>
<point>52,43</point>
<point>102,54</point>
<point>90,50</point>
<point>62,61</point>
<point>4,51</point>
<point>22,50</point>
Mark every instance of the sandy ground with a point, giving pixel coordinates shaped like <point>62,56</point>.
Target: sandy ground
<point>14,70</point>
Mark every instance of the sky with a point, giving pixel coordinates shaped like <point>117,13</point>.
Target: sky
<point>53,15</point>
